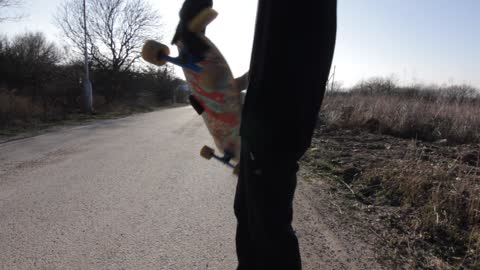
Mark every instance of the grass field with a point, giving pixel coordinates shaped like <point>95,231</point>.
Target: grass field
<point>413,153</point>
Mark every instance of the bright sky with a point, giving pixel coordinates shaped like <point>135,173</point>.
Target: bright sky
<point>428,41</point>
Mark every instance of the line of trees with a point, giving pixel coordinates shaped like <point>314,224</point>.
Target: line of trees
<point>48,77</point>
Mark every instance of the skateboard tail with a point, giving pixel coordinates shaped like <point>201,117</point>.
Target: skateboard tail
<point>204,18</point>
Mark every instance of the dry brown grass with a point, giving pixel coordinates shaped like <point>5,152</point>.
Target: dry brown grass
<point>426,196</point>
<point>406,117</point>
<point>15,108</point>
<point>444,207</point>
<point>426,113</point>
<point>429,183</point>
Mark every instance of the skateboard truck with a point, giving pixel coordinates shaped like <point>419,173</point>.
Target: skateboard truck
<point>158,54</point>
<point>185,60</point>
<point>209,153</point>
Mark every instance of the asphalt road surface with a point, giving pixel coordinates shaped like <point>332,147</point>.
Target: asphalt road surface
<point>132,193</point>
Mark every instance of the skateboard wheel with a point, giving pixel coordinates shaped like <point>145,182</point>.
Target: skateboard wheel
<point>236,170</point>
<point>207,152</point>
<point>152,51</point>
<point>199,22</point>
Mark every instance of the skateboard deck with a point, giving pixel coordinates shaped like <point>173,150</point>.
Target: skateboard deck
<point>216,94</point>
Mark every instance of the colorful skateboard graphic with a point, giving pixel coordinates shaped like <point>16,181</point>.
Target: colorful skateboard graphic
<point>216,94</point>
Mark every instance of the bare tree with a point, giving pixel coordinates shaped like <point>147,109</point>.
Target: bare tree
<point>9,4</point>
<point>116,30</point>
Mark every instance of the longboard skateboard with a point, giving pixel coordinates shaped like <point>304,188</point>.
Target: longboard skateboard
<point>216,94</point>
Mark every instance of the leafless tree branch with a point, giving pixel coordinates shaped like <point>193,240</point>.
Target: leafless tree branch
<point>6,5</point>
<point>116,29</point>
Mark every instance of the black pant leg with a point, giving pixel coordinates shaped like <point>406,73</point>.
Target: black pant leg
<point>245,252</point>
<point>263,206</point>
<point>291,59</point>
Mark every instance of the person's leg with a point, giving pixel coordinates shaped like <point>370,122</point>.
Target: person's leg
<point>291,58</point>
<point>263,205</point>
<point>244,245</point>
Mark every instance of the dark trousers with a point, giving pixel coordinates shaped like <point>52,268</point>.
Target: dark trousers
<point>263,206</point>
<point>291,58</point>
